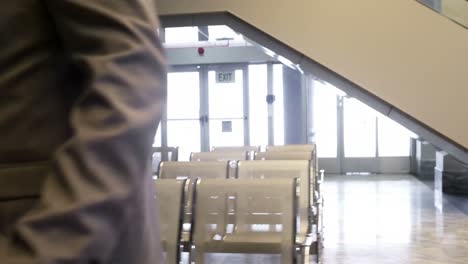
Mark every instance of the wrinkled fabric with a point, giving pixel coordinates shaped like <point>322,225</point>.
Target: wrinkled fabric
<point>82,90</point>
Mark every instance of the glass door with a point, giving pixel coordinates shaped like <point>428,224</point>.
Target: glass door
<point>360,137</point>
<point>325,125</point>
<point>352,137</point>
<point>183,112</point>
<point>227,117</point>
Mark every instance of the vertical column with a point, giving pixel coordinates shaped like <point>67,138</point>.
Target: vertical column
<point>425,160</point>
<point>271,124</point>
<point>304,105</point>
<point>340,131</point>
<point>246,99</point>
<point>163,128</point>
<point>310,97</point>
<point>204,110</point>
<point>294,116</point>
<point>413,160</point>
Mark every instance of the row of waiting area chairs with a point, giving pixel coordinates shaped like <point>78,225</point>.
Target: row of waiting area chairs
<point>223,202</point>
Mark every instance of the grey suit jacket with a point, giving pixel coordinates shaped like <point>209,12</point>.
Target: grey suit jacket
<point>81,94</point>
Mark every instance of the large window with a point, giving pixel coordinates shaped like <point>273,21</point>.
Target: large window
<point>353,137</point>
<point>394,139</point>
<point>226,110</point>
<point>279,104</point>
<point>325,119</point>
<point>183,112</point>
<point>258,90</point>
<point>360,137</point>
<point>181,35</point>
<point>217,33</point>
<point>157,138</point>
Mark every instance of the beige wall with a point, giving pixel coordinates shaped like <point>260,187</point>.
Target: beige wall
<point>456,10</point>
<point>398,50</point>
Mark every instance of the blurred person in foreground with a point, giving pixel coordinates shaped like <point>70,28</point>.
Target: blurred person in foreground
<point>82,88</point>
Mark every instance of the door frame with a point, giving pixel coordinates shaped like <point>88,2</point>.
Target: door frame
<point>204,100</point>
<point>342,165</point>
<point>244,67</point>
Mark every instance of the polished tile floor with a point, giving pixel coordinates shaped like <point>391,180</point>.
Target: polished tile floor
<point>390,219</point>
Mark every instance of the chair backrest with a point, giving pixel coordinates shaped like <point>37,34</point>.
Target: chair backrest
<point>219,156</point>
<point>243,205</point>
<point>170,200</point>
<point>284,169</point>
<point>297,147</point>
<point>259,155</point>
<point>289,155</point>
<point>167,153</point>
<point>163,154</point>
<point>193,170</point>
<point>239,148</point>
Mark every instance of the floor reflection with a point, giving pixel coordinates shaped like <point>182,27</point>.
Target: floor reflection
<point>390,219</point>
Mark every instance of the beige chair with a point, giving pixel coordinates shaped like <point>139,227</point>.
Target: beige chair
<point>289,155</point>
<point>259,155</point>
<point>167,153</point>
<point>284,169</point>
<point>298,147</point>
<point>295,148</point>
<point>294,152</point>
<point>163,154</point>
<point>219,156</point>
<point>278,154</point>
<point>245,216</point>
<point>249,149</point>
<point>193,170</point>
<point>170,199</point>
<point>239,148</point>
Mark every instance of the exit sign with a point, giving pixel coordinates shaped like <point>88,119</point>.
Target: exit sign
<point>226,77</point>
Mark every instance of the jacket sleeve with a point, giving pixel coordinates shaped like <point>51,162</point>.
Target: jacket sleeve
<point>87,198</point>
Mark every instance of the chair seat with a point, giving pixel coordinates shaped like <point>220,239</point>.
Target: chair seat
<point>239,242</point>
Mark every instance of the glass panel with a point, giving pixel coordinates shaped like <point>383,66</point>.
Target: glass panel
<point>183,102</point>
<point>226,99</point>
<point>157,137</point>
<point>181,34</point>
<point>258,115</point>
<point>185,135</point>
<point>359,129</point>
<point>226,132</point>
<point>279,104</point>
<point>226,108</point>
<point>156,158</point>
<point>183,95</point>
<point>394,139</point>
<point>325,119</point>
<point>223,33</point>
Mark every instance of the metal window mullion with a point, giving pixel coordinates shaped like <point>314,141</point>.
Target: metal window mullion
<point>271,112</point>
<point>340,132</point>
<point>305,109</point>
<point>377,154</point>
<point>246,98</point>
<point>204,109</point>
<point>163,127</point>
